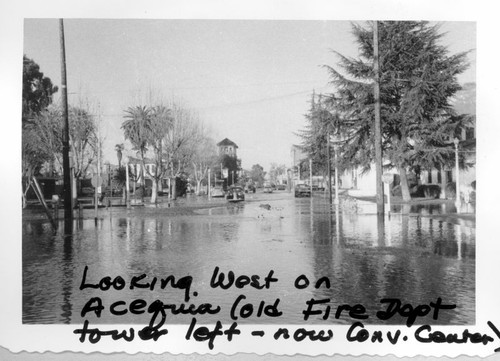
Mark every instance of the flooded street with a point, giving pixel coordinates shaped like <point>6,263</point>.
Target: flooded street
<point>416,257</point>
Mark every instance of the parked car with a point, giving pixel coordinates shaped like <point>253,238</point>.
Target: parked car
<point>235,194</point>
<point>87,191</point>
<point>217,192</point>
<point>249,188</point>
<point>281,187</point>
<point>302,190</point>
<point>268,188</point>
<point>112,191</point>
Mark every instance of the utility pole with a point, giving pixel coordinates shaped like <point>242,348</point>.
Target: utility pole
<point>378,131</point>
<point>127,185</point>
<point>68,211</point>
<point>98,184</point>
<point>328,155</point>
<point>209,185</point>
<point>311,175</point>
<point>458,204</point>
<point>329,167</point>
<point>335,148</point>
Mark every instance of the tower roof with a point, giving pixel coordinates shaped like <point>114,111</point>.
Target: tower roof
<point>226,142</point>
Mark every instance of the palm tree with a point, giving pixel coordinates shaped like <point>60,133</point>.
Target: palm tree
<point>136,129</point>
<point>147,127</point>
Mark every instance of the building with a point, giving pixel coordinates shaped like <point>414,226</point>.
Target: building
<point>227,147</point>
<point>230,165</point>
<point>138,175</point>
<point>467,175</point>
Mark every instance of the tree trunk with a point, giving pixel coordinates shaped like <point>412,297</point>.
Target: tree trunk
<point>198,187</point>
<point>154,191</point>
<point>174,188</point>
<point>405,223</point>
<point>443,184</point>
<point>76,185</point>
<point>405,189</point>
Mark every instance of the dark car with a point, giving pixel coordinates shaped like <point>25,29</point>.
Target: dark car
<point>235,194</point>
<point>302,190</point>
<point>281,187</point>
<point>87,192</point>
<point>249,188</point>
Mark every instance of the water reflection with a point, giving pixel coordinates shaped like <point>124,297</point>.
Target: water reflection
<point>67,284</point>
<point>411,255</point>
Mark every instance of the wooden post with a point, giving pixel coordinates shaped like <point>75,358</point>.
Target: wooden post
<point>311,175</point>
<point>127,186</point>
<point>209,188</point>
<point>39,194</point>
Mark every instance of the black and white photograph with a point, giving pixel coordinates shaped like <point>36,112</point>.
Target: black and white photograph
<point>293,182</point>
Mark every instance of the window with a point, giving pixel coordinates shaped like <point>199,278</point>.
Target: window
<point>449,176</point>
<point>470,133</point>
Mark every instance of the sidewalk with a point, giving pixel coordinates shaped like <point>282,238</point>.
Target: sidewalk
<point>467,219</point>
<point>165,207</point>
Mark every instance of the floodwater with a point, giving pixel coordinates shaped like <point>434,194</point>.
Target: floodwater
<point>413,256</point>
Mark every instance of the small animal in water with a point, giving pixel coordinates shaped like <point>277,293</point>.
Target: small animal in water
<point>266,207</point>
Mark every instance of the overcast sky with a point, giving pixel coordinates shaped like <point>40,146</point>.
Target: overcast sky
<point>248,80</point>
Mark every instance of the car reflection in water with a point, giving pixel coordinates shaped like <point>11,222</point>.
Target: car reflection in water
<point>235,194</point>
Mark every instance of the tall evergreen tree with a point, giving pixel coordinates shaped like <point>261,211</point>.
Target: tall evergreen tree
<point>322,121</point>
<point>417,82</point>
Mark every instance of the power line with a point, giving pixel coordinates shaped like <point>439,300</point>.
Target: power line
<point>260,84</point>
<point>256,101</point>
<point>262,100</point>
